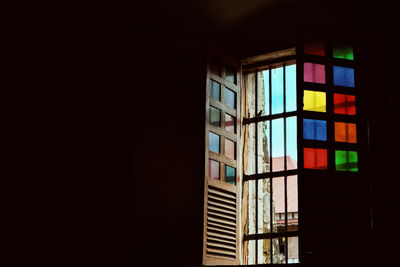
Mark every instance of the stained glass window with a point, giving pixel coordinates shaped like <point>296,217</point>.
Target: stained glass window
<point>314,73</point>
<point>314,129</point>
<point>230,174</point>
<point>314,45</point>
<point>344,104</point>
<point>315,158</point>
<point>213,142</point>
<point>346,160</point>
<point>343,76</point>
<point>213,169</point>
<point>341,50</point>
<point>215,90</point>
<point>314,101</point>
<point>345,132</point>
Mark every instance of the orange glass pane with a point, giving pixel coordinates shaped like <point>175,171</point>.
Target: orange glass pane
<point>345,132</point>
<point>315,158</point>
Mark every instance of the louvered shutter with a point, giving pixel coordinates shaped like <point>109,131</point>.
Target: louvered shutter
<point>222,160</point>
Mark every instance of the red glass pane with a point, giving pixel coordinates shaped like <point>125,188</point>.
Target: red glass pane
<point>345,132</point>
<point>344,104</point>
<point>314,45</point>
<point>315,158</point>
<point>314,73</point>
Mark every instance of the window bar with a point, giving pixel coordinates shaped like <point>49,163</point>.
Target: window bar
<point>285,160</point>
<point>256,158</point>
<point>270,163</point>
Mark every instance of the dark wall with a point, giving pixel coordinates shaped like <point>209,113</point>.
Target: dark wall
<point>167,175</point>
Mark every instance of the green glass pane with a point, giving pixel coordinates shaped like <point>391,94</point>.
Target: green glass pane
<point>215,117</point>
<point>344,51</point>
<point>230,175</point>
<point>346,160</point>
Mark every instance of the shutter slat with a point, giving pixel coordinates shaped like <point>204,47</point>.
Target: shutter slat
<point>219,235</point>
<point>210,218</point>
<point>222,246</point>
<point>221,240</point>
<point>221,215</point>
<point>221,205</point>
<point>223,211</point>
<point>223,226</point>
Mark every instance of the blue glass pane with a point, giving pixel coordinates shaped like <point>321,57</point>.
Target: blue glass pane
<point>230,175</point>
<point>230,98</point>
<point>314,129</point>
<point>343,76</point>
<point>215,90</point>
<point>213,142</point>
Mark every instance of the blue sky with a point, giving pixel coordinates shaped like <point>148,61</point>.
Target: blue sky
<point>277,107</point>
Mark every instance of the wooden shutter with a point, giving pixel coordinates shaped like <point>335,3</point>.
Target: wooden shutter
<point>221,199</point>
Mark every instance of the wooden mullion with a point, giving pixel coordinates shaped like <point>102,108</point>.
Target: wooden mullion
<point>222,159</point>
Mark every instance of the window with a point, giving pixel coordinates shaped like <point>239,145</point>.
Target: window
<point>278,126</point>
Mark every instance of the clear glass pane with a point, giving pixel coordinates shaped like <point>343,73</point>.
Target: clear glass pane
<point>314,73</point>
<point>277,145</point>
<point>344,104</point>
<point>277,90</point>
<point>230,123</point>
<point>213,142</point>
<point>278,196</point>
<point>215,90</point>
<point>314,129</point>
<point>230,98</point>
<point>343,76</point>
<point>292,202</point>
<point>293,249</point>
<point>264,251</point>
<point>251,255</point>
<point>215,117</point>
<point>263,146</point>
<point>314,101</point>
<point>291,143</point>
<point>291,103</point>
<point>230,74</point>
<point>250,150</point>
<point>230,149</point>
<point>230,175</point>
<point>345,132</point>
<point>264,204</point>
<point>252,207</point>
<point>279,250</point>
<point>213,169</point>
<point>263,92</point>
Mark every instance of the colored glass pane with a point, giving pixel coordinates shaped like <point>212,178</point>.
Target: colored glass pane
<point>344,104</point>
<point>344,51</point>
<point>215,116</point>
<point>213,169</point>
<point>346,160</point>
<point>230,74</point>
<point>315,158</point>
<point>345,132</point>
<point>314,45</point>
<point>343,76</point>
<point>290,80</point>
<point>314,129</point>
<point>230,175</point>
<point>215,90</point>
<point>213,142</point>
<point>230,123</point>
<point>314,101</point>
<point>314,73</point>
<point>230,98</point>
<point>230,149</point>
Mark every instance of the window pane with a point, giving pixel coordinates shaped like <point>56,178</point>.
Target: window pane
<point>264,251</point>
<point>230,98</point>
<point>264,206</point>
<point>230,175</point>
<point>346,160</point>
<point>341,50</point>
<point>314,45</point>
<point>345,132</point>
<point>230,150</point>
<point>343,76</point>
<point>292,202</point>
<point>314,129</point>
<point>215,90</point>
<point>291,104</point>
<point>263,146</point>
<point>279,251</point>
<point>314,101</point>
<point>345,104</point>
<point>315,158</point>
<point>230,74</point>
<point>215,117</point>
<point>291,143</point>
<point>263,91</point>
<point>278,197</point>
<point>277,90</point>
<point>277,145</point>
<point>314,73</point>
<point>230,123</point>
<point>293,249</point>
<point>213,142</point>
<point>213,169</point>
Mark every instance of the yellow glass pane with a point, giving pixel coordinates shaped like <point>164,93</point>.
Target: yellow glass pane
<point>314,101</point>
